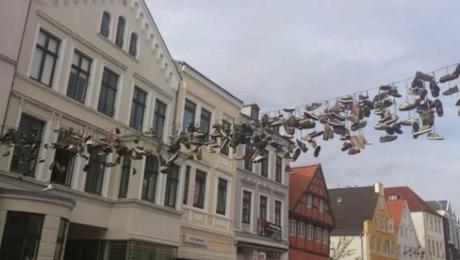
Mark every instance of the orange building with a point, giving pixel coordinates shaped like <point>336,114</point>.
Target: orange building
<point>310,216</point>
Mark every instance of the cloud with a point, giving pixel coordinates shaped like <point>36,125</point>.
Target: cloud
<point>279,54</point>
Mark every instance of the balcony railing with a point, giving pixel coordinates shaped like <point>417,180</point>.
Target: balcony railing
<point>268,229</point>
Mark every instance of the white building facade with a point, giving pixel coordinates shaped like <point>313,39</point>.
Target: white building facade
<point>92,66</point>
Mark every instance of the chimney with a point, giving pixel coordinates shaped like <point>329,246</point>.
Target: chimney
<point>252,111</point>
<point>378,188</point>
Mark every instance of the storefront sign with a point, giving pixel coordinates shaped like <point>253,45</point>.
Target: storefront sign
<point>198,240</point>
<point>270,230</point>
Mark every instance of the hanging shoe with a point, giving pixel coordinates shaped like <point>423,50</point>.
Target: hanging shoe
<point>458,102</point>
<point>301,145</point>
<point>424,129</point>
<point>423,76</point>
<point>438,107</point>
<point>397,128</point>
<point>388,138</point>
<point>363,97</point>
<point>434,88</point>
<point>448,77</point>
<point>346,145</point>
<point>289,110</point>
<point>451,91</point>
<point>434,136</point>
<point>296,154</point>
<point>313,106</point>
<point>416,83</point>
<point>311,115</point>
<point>306,124</point>
<point>407,106</point>
<point>359,125</point>
<point>408,122</point>
<point>353,150</point>
<point>340,130</point>
<point>328,132</point>
<point>346,99</point>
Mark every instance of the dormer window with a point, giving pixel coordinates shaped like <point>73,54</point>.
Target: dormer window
<point>105,25</point>
<point>133,45</point>
<point>120,32</point>
<point>393,197</point>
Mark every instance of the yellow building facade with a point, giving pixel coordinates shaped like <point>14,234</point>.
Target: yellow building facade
<point>380,231</point>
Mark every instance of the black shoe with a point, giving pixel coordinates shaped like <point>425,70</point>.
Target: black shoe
<point>388,138</point>
<point>417,83</point>
<point>397,128</point>
<point>448,77</point>
<point>296,154</point>
<point>340,130</point>
<point>346,145</point>
<point>311,115</point>
<point>303,147</point>
<point>451,91</point>
<point>434,88</point>
<point>358,125</point>
<point>422,76</point>
<point>458,102</point>
<point>438,106</point>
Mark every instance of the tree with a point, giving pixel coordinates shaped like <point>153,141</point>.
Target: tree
<point>342,249</point>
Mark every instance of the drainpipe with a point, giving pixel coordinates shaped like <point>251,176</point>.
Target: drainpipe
<point>176,105</point>
<point>362,245</point>
<point>16,67</point>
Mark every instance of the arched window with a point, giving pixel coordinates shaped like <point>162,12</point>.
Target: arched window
<point>120,32</point>
<point>133,45</point>
<point>105,24</point>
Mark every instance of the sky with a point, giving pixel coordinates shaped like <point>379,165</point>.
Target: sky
<point>284,53</point>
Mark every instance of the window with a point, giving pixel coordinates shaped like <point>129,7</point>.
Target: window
<point>25,156</point>
<point>189,115</point>
<point>205,121</point>
<point>221,196</point>
<point>105,25</point>
<point>301,229</point>
<point>150,178</point>
<point>278,168</point>
<point>108,93</point>
<point>159,118</point>
<point>263,207</point>
<point>325,236</point>
<point>61,237</point>
<point>292,227</point>
<point>21,235</point>
<point>120,32</point>
<point>133,45</point>
<point>172,181</point>
<point>45,56</point>
<point>321,205</point>
<point>186,184</point>
<point>124,179</point>
<point>318,234</point>
<point>95,173</point>
<point>63,161</point>
<point>310,231</point>
<point>79,77</point>
<point>278,212</point>
<point>117,249</point>
<point>264,165</point>
<point>246,211</point>
<point>200,189</point>
<point>247,157</point>
<point>138,108</point>
<point>226,126</point>
<point>309,200</point>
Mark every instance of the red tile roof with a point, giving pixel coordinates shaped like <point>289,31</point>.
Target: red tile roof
<point>414,201</point>
<point>299,179</point>
<point>396,208</point>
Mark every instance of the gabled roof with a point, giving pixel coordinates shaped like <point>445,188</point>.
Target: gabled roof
<point>396,208</point>
<point>299,180</point>
<point>415,203</point>
<point>351,207</point>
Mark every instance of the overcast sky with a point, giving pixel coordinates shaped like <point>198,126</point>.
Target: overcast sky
<point>285,53</point>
